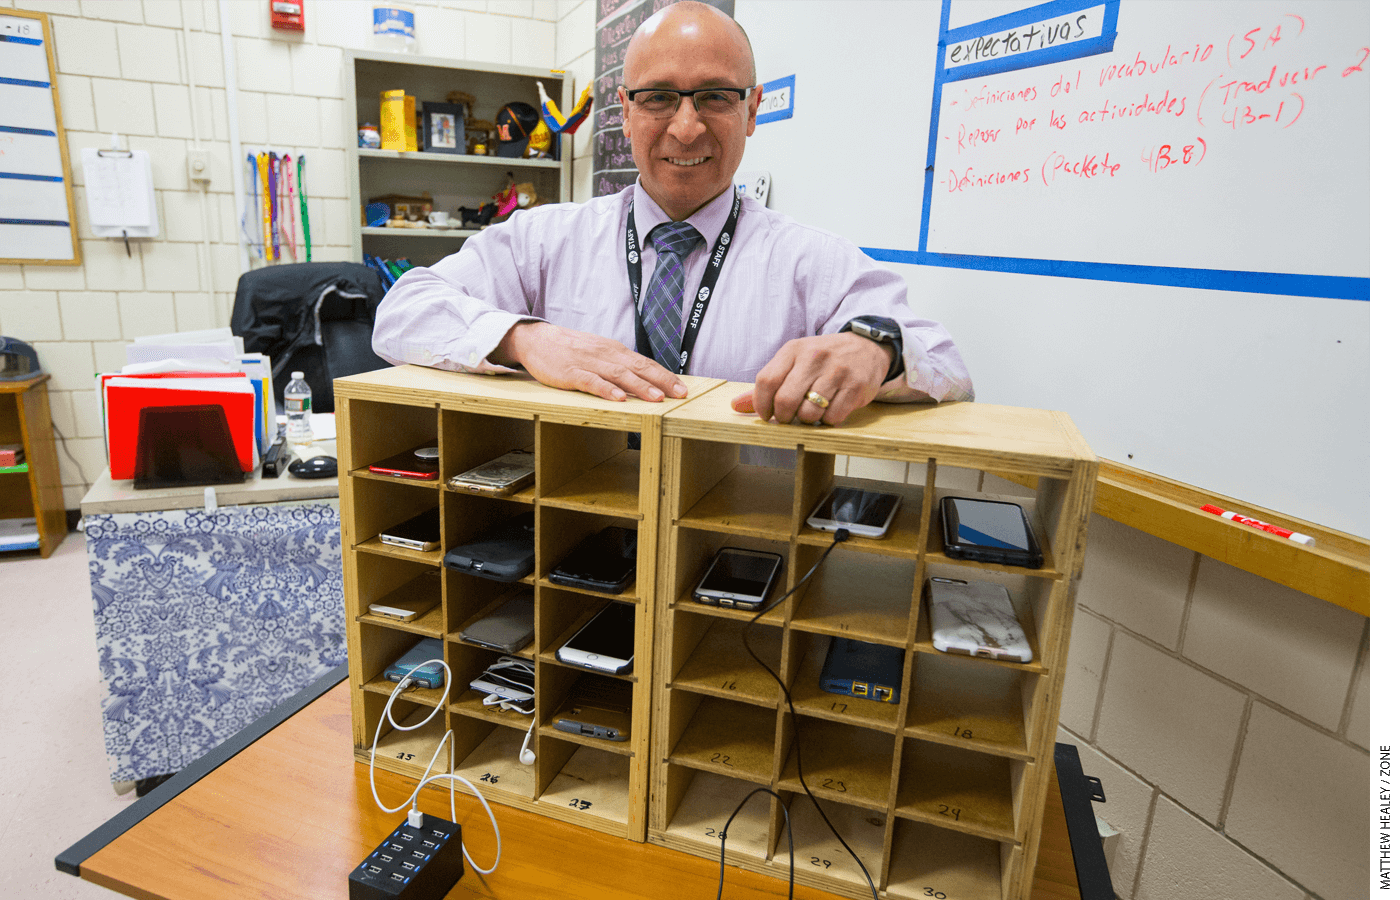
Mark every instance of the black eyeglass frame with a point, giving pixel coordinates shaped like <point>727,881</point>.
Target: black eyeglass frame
<point>681,95</point>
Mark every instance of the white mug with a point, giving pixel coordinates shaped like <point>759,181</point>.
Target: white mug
<point>438,218</point>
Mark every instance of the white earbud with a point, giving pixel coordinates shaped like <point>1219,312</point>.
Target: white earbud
<point>527,756</point>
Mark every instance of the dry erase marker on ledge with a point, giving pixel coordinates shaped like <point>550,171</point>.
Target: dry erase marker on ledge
<point>1262,526</point>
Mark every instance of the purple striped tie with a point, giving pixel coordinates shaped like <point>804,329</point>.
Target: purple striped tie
<point>661,310</point>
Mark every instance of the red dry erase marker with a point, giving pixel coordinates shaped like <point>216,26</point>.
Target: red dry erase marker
<point>1262,526</point>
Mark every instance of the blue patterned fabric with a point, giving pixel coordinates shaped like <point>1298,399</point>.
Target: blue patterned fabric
<point>661,308</point>
<point>206,621</point>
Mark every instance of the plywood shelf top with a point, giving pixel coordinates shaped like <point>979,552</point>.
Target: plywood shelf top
<point>860,596</point>
<point>960,865</point>
<point>969,706</point>
<point>750,500</point>
<point>730,739</point>
<point>721,666</point>
<point>609,488</point>
<point>511,396</point>
<point>974,435</point>
<point>956,789</point>
<point>842,763</point>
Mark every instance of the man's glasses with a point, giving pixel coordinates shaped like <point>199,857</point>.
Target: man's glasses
<point>708,101</point>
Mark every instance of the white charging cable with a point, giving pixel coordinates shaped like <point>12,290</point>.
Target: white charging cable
<point>415,817</point>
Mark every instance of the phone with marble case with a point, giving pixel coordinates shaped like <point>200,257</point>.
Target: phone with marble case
<point>975,618</point>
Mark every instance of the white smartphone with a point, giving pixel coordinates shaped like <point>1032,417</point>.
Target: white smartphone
<point>975,618</point>
<point>742,579</point>
<point>411,600</point>
<point>605,643</point>
<point>866,513</point>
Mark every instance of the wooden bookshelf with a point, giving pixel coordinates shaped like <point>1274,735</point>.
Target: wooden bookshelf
<point>586,479</point>
<point>33,489</point>
<point>940,794</point>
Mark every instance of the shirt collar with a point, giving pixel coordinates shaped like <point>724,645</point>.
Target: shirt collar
<point>708,220</point>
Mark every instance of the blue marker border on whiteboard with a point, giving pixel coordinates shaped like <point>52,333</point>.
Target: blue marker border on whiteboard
<point>1333,287</point>
<point>772,87</point>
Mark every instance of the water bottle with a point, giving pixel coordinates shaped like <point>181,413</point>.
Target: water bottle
<point>296,400</point>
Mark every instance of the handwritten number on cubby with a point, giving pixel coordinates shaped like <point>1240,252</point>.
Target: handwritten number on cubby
<point>838,707</point>
<point>489,778</point>
<point>930,892</point>
<point>832,784</point>
<point>405,756</point>
<point>730,686</point>
<point>722,759</point>
<point>959,731</point>
<point>952,812</point>
<point>576,803</point>
<point>818,861</point>
<point>714,833</point>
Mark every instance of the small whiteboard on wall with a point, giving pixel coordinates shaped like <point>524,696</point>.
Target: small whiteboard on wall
<point>36,185</point>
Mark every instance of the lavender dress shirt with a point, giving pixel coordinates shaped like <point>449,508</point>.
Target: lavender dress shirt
<point>564,263</point>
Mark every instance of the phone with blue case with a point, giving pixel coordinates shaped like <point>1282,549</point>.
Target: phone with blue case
<point>429,676</point>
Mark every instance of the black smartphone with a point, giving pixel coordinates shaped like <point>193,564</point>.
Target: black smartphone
<point>994,531</point>
<point>604,562</point>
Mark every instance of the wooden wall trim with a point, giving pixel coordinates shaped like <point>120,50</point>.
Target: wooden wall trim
<point>1337,570</point>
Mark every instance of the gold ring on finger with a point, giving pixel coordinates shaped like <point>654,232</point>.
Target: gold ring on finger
<point>817,399</point>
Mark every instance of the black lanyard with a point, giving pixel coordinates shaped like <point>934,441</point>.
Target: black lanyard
<point>702,296</point>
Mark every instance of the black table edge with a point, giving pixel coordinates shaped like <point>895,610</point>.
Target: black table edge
<point>71,860</point>
<point>1089,864</point>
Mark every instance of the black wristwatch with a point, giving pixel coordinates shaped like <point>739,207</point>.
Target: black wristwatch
<point>881,330</point>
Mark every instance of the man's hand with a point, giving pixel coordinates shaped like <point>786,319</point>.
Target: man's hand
<point>845,368</point>
<point>578,361</point>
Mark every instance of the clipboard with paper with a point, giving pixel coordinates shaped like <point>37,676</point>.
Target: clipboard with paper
<point>121,194</point>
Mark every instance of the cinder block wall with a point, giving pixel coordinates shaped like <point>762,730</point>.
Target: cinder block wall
<point>120,69</point>
<point>1227,716</point>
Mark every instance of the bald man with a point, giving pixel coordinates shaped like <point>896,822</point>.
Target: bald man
<point>677,266</point>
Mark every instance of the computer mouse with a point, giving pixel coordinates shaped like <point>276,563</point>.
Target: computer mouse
<point>315,467</point>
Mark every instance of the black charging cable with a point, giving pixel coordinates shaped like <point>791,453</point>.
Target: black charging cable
<point>787,822</point>
<point>841,535</point>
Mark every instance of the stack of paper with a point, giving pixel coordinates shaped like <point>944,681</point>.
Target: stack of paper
<point>19,534</point>
<point>187,369</point>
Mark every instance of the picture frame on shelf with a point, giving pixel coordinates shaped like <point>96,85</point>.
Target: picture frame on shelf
<point>444,128</point>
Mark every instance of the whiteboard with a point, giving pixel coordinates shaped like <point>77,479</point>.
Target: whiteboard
<point>36,194</point>
<point>1203,313</point>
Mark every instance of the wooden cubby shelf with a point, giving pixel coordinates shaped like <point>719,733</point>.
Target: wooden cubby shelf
<point>939,794</point>
<point>586,479</point>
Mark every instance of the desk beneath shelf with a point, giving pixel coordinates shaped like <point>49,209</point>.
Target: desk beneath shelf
<point>282,810</point>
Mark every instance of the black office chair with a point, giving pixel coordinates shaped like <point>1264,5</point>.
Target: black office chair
<point>315,318</point>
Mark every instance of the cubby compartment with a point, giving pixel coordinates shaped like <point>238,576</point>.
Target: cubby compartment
<point>840,762</point>
<point>928,861</point>
<point>556,682</point>
<point>585,785</point>
<point>960,789</point>
<point>378,505</point>
<point>720,736</point>
<point>470,598</point>
<point>588,469</point>
<point>966,702</point>
<point>1042,525</point>
<point>473,517</point>
<point>819,856</point>
<point>1038,602</point>
<point>856,595</point>
<point>490,757</point>
<point>407,752</point>
<point>709,657</point>
<point>379,430</point>
<point>384,578</point>
<point>701,804</point>
<point>906,531</point>
<point>560,531</point>
<point>695,550</point>
<point>719,493</point>
<point>470,439</point>
<point>808,653</point>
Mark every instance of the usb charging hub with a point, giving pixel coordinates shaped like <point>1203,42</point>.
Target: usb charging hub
<point>412,863</point>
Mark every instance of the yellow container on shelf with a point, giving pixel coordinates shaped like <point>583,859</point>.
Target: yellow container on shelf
<point>398,128</point>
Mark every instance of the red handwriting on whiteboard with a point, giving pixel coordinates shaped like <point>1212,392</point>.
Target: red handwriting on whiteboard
<point>1365,54</point>
<point>1167,156</point>
<point>971,179</point>
<point>1262,38</point>
<point>1088,167</point>
<point>1285,114</point>
<point>1139,66</point>
<point>969,139</point>
<point>1166,105</point>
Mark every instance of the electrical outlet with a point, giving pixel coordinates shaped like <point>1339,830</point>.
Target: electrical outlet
<point>200,165</point>
<point>412,863</point>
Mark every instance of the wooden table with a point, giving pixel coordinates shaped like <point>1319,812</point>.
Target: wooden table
<point>292,814</point>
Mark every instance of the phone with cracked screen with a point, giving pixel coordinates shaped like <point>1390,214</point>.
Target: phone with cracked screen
<point>500,477</point>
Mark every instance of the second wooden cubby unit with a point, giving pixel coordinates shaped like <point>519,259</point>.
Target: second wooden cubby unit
<point>586,479</point>
<point>941,794</point>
